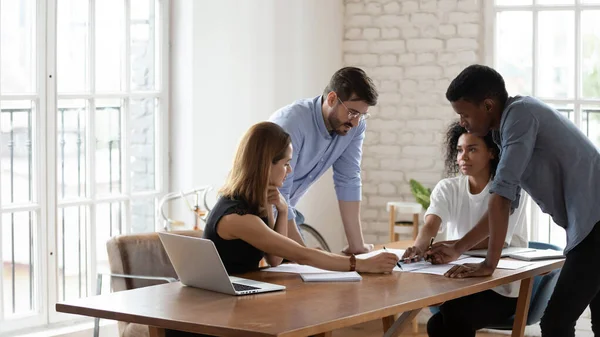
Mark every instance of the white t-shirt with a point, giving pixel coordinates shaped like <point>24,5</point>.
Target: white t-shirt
<point>460,211</point>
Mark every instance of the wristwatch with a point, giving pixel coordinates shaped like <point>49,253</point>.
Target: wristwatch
<point>352,262</point>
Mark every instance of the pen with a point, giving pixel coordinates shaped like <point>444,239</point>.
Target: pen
<point>430,247</point>
<point>397,263</point>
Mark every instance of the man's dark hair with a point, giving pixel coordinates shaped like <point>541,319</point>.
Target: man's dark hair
<point>477,83</point>
<point>351,80</point>
<point>452,135</point>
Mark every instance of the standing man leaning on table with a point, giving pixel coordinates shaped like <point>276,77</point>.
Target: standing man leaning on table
<point>328,131</point>
<point>557,165</point>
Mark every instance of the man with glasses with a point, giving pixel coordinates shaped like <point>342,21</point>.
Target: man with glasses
<point>328,130</point>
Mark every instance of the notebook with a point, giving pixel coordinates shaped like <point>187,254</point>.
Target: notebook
<point>350,276</point>
<point>538,254</point>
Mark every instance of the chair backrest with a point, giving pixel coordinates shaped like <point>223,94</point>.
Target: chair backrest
<point>543,287</point>
<point>140,254</point>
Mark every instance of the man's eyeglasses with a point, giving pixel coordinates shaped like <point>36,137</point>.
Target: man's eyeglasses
<point>355,114</point>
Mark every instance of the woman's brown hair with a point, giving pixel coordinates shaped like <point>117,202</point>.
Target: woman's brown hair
<point>263,144</point>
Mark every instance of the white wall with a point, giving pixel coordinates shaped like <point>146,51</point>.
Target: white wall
<point>412,49</point>
<point>233,64</point>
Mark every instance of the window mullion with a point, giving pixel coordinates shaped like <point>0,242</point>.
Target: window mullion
<point>578,82</point>
<point>535,40</point>
<point>91,152</point>
<point>162,123</point>
<point>126,121</point>
<point>50,181</point>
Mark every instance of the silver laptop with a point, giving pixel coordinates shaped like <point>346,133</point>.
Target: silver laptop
<point>198,264</point>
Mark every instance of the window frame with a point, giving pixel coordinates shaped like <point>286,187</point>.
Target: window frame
<point>46,203</point>
<point>538,221</point>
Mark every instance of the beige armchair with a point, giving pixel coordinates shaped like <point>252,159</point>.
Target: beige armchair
<point>136,261</point>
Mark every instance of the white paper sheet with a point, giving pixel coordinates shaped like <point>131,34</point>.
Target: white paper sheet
<point>398,252</point>
<point>297,269</point>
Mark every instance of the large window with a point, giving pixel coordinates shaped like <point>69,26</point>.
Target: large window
<point>83,97</point>
<point>550,49</point>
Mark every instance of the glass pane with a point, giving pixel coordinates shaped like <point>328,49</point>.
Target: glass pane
<point>143,144</point>
<point>71,151</point>
<point>72,46</point>
<point>144,44</point>
<point>143,211</point>
<point>566,110</point>
<point>568,113</point>
<point>558,236</point>
<point>555,2</point>
<point>513,2</point>
<point>19,262</point>
<point>17,152</point>
<point>590,123</point>
<point>590,46</point>
<point>109,223</point>
<point>72,234</point>
<point>515,64</point>
<point>18,46</point>
<point>140,9</point>
<point>590,1</point>
<point>108,146</point>
<point>556,54</point>
<point>110,44</point>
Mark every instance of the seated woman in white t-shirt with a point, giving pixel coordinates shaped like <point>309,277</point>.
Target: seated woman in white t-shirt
<point>456,206</point>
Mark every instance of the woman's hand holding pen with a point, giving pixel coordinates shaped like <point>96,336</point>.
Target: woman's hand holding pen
<point>381,263</point>
<point>412,254</point>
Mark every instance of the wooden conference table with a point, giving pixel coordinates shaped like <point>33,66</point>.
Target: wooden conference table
<point>303,309</point>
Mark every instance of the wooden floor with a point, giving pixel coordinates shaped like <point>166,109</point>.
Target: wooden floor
<point>374,329</point>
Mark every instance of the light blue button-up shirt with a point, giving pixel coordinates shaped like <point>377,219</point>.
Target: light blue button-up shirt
<point>316,150</point>
<point>550,158</point>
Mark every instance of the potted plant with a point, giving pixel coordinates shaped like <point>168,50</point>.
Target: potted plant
<point>422,195</point>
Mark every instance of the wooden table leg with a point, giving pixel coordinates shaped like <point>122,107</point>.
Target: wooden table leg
<point>415,325</point>
<point>387,322</point>
<point>392,223</point>
<point>415,225</point>
<point>156,331</point>
<point>401,323</point>
<point>518,329</point>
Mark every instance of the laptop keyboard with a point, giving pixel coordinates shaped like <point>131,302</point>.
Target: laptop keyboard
<point>242,287</point>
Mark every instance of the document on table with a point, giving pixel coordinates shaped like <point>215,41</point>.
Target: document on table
<point>398,252</point>
<point>440,269</point>
<point>297,269</point>
<point>422,266</point>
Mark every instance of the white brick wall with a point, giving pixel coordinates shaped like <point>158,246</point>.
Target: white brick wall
<point>412,49</point>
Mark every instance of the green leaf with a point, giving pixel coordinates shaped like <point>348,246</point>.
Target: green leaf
<point>421,194</point>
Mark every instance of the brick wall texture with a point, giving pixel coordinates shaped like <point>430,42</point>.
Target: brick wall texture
<point>412,50</point>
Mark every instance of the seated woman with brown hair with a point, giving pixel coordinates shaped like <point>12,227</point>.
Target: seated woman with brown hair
<point>249,220</point>
<point>244,225</point>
